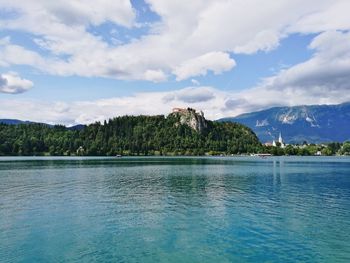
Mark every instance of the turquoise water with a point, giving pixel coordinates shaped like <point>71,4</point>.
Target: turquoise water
<point>234,209</point>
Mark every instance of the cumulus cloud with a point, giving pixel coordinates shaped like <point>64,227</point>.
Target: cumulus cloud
<point>214,102</point>
<point>74,12</point>
<point>323,77</point>
<point>155,75</point>
<point>12,83</point>
<point>3,81</point>
<point>190,95</point>
<point>213,61</point>
<point>190,39</point>
<point>323,19</point>
<point>84,112</point>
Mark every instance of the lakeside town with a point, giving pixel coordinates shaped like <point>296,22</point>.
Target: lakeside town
<point>279,147</point>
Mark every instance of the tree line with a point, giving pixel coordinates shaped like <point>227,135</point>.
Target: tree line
<point>305,149</point>
<point>128,135</point>
<point>146,135</point>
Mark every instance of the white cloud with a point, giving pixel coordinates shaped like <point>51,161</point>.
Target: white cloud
<point>192,37</point>
<point>155,75</point>
<point>264,40</point>
<point>17,55</point>
<point>326,73</point>
<point>190,95</point>
<point>90,111</point>
<point>216,62</point>
<point>74,12</point>
<point>328,16</point>
<point>12,83</point>
<point>214,102</point>
<point>323,79</point>
<point>195,82</point>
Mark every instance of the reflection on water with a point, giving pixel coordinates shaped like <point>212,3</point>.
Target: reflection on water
<point>175,209</point>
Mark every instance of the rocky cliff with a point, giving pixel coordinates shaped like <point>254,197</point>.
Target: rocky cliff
<point>191,118</point>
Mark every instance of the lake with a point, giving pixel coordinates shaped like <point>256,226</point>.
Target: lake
<point>205,209</point>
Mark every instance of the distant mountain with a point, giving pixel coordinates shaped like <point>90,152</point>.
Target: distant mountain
<point>77,127</point>
<point>314,124</point>
<point>14,121</point>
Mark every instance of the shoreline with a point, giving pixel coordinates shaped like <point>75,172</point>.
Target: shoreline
<point>165,156</point>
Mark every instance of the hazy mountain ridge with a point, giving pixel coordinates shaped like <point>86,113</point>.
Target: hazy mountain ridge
<point>314,124</point>
<point>17,122</point>
<point>14,121</point>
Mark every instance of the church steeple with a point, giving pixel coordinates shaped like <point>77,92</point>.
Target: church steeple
<point>280,140</point>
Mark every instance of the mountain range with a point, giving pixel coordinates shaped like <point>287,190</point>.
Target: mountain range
<point>14,121</point>
<point>314,124</point>
<point>17,122</point>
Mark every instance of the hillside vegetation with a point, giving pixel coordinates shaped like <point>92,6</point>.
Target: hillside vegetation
<point>128,135</point>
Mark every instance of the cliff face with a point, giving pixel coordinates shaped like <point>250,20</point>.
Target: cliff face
<point>191,118</point>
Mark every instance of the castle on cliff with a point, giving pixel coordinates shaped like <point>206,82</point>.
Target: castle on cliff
<point>191,118</point>
<point>183,110</point>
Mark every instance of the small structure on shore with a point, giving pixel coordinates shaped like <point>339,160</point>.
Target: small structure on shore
<point>280,141</point>
<point>80,151</point>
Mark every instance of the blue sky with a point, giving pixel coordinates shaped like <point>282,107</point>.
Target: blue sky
<point>68,62</point>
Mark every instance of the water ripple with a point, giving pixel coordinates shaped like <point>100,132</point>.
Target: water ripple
<point>175,210</point>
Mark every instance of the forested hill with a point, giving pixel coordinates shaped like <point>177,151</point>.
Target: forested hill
<point>129,135</point>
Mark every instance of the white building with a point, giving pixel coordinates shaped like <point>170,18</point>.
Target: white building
<point>280,140</point>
